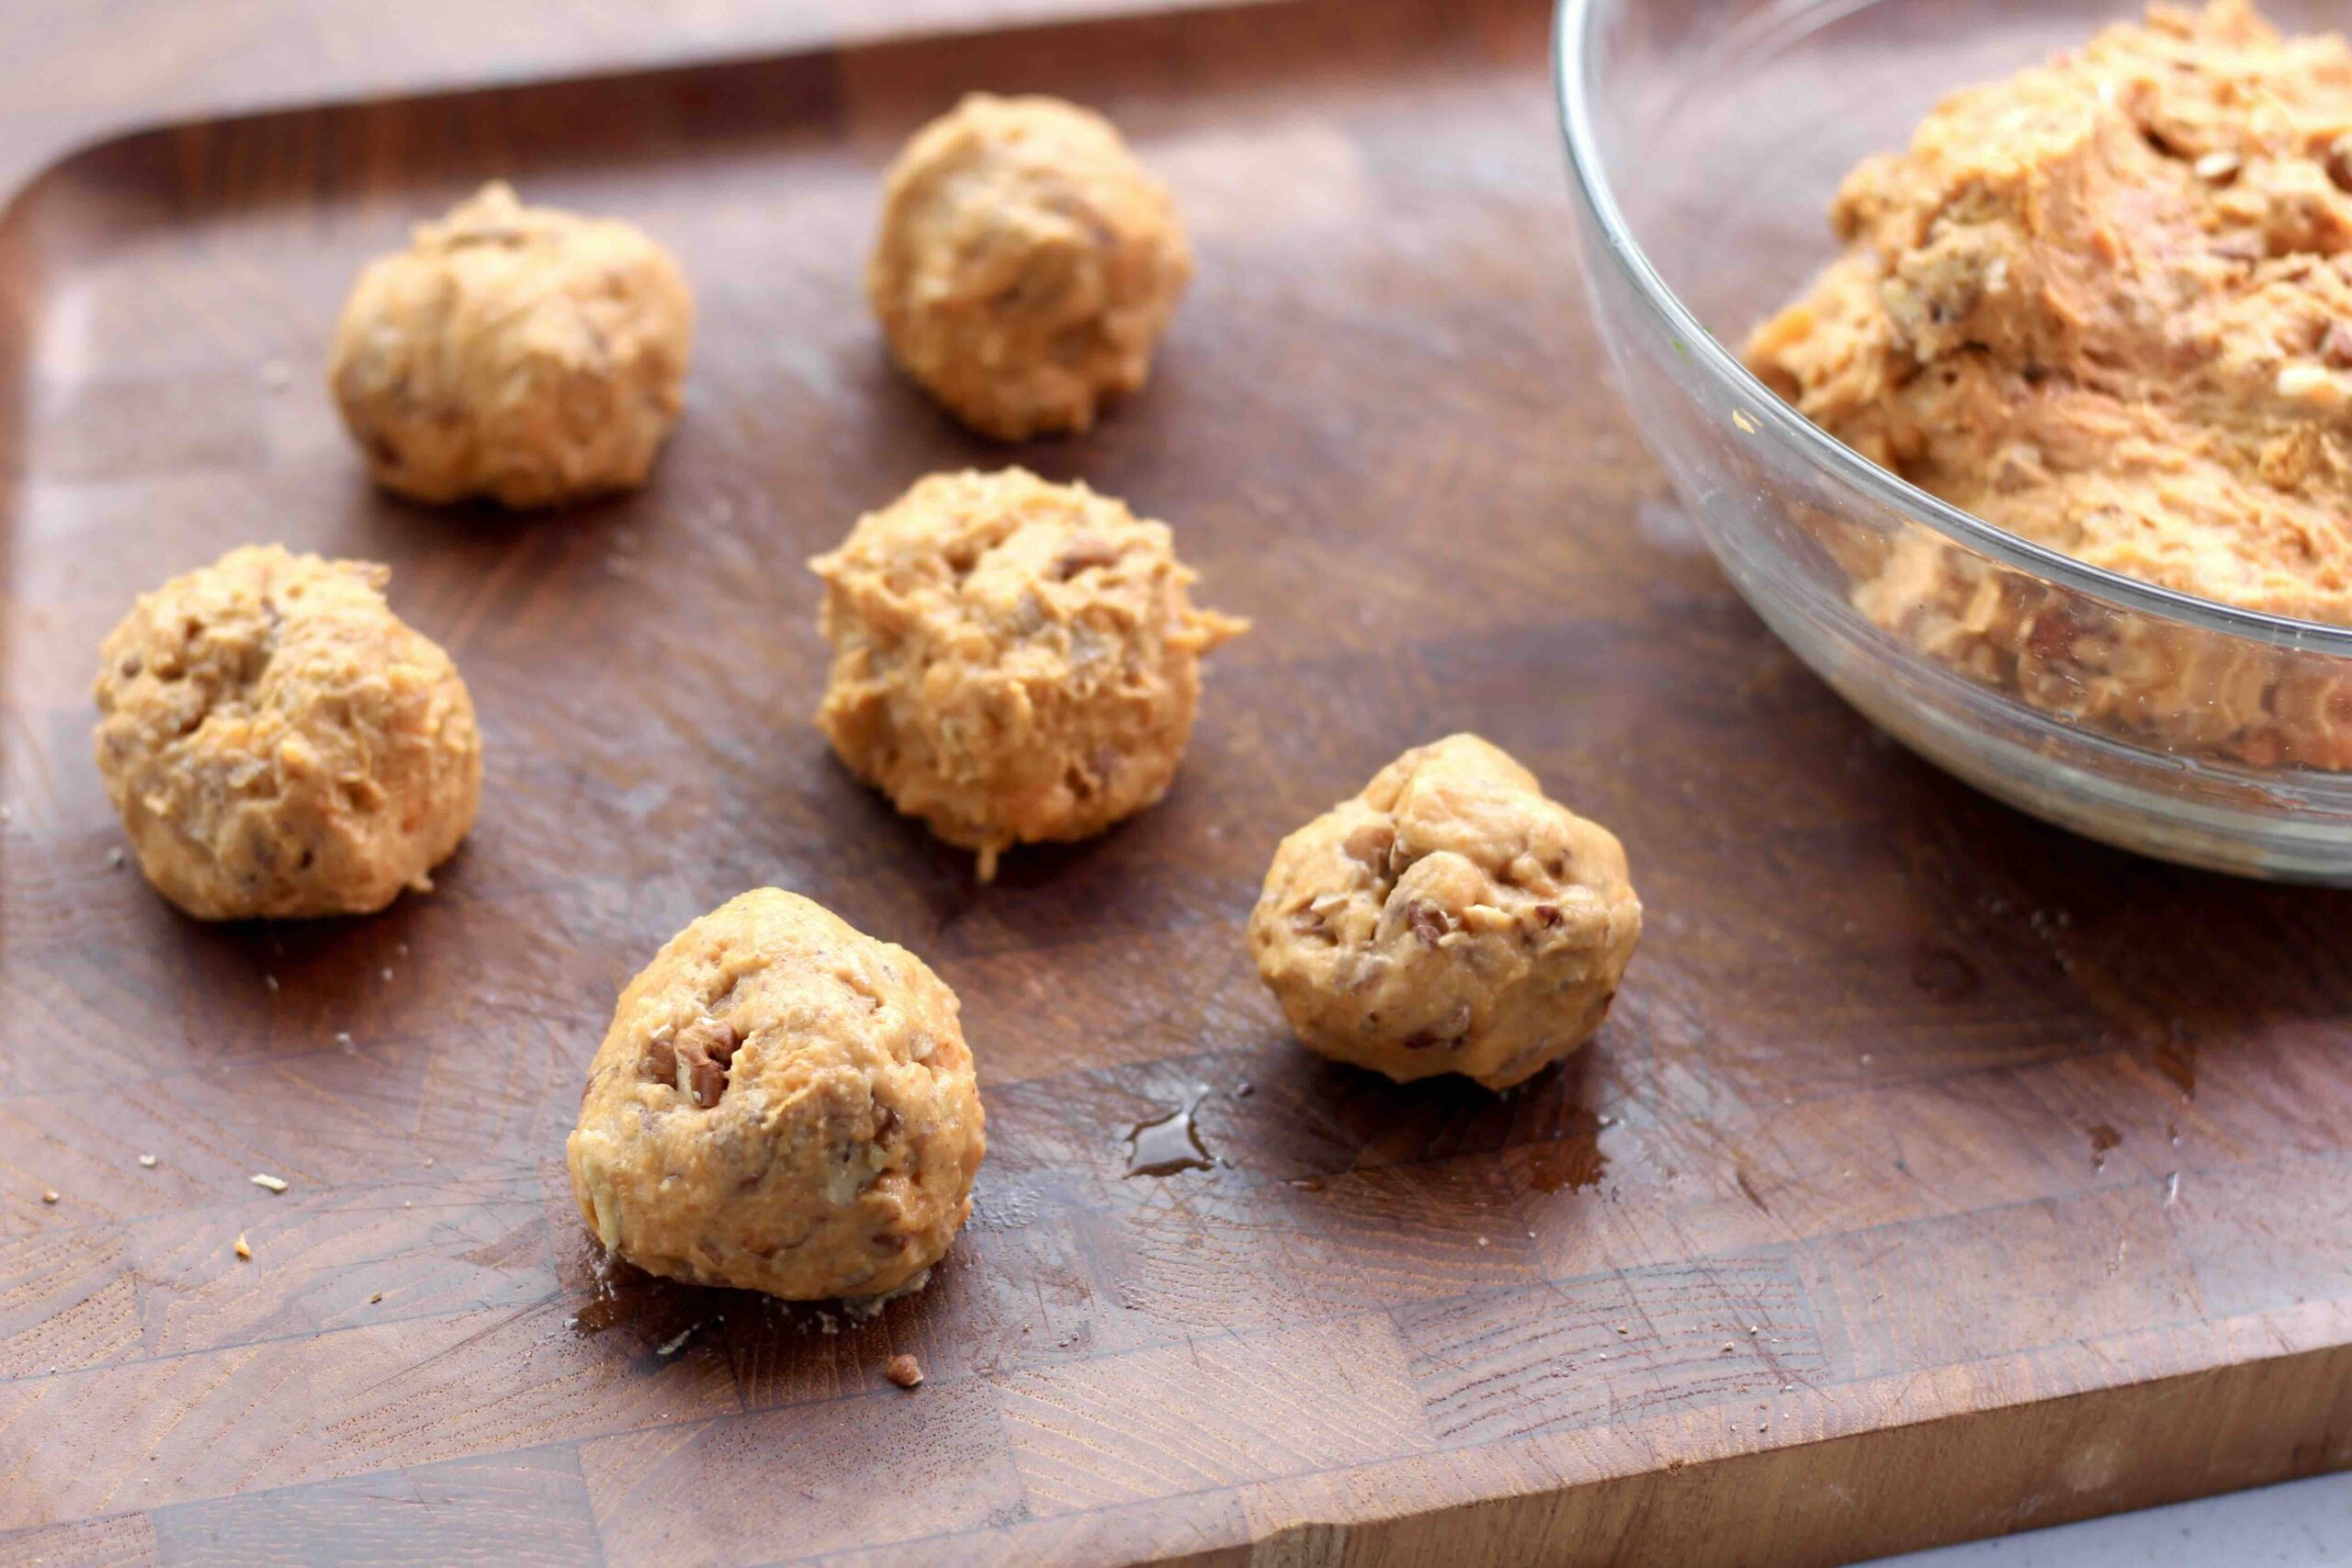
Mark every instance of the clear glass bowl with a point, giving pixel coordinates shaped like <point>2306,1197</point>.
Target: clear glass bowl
<point>1706,138</point>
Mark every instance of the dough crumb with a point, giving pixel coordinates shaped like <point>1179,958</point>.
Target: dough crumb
<point>1450,918</point>
<point>1014,661</point>
<point>519,352</point>
<point>904,1370</point>
<point>1026,264</point>
<point>279,744</point>
<point>783,1103</point>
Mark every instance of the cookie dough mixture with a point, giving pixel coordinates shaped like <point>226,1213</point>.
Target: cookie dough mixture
<point>1026,264</point>
<point>279,743</point>
<point>1449,919</point>
<point>781,1103</point>
<point>2107,305</point>
<point>514,352</point>
<point>1013,660</point>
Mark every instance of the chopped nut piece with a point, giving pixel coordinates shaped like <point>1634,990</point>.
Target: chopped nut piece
<point>709,1080</point>
<point>660,1063</point>
<point>904,1370</point>
<point>1370,844</point>
<point>2307,381</point>
<point>1083,551</point>
<point>269,1183</point>
<point>147,1162</point>
<point>48,1194</point>
<point>243,1251</point>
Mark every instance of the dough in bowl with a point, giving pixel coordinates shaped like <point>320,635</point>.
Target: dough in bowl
<point>1013,660</point>
<point>1026,264</point>
<point>279,743</point>
<point>1448,919</point>
<point>514,352</point>
<point>781,1103</point>
<point>2106,304</point>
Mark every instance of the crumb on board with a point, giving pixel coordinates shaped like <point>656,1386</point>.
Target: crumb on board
<point>115,858</point>
<point>243,1251</point>
<point>904,1370</point>
<point>374,1299</point>
<point>146,1162</point>
<point>267,1182</point>
<point>48,1194</point>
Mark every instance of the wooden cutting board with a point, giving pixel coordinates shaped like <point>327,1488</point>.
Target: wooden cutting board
<point>1938,1175</point>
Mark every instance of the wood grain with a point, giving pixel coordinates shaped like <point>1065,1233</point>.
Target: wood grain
<point>1937,1175</point>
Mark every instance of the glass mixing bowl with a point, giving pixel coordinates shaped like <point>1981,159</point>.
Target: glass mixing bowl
<point>1706,138</point>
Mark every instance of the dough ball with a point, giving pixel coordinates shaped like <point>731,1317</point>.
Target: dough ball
<point>279,743</point>
<point>781,1103</point>
<point>1013,660</point>
<point>1026,264</point>
<point>1448,919</point>
<point>514,352</point>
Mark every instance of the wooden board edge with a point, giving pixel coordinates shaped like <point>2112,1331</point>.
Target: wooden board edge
<point>1935,1482</point>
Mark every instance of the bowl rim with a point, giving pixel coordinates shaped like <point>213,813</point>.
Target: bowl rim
<point>1576,34</point>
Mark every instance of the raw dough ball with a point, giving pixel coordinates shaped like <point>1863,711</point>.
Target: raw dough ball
<point>1026,264</point>
<point>781,1103</point>
<point>1013,660</point>
<point>279,743</point>
<point>1448,919</point>
<point>514,352</point>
